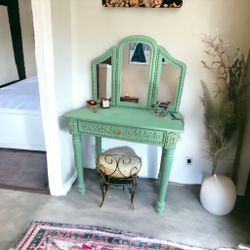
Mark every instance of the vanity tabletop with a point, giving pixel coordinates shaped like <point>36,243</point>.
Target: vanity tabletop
<point>127,116</point>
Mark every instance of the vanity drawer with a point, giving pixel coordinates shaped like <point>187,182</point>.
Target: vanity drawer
<point>122,132</point>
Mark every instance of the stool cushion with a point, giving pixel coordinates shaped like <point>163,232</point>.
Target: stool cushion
<point>120,162</point>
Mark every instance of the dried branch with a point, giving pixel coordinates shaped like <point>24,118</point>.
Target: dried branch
<point>221,121</point>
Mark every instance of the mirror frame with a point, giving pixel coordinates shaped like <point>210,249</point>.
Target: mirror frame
<point>110,53</point>
<point>158,53</point>
<point>162,53</point>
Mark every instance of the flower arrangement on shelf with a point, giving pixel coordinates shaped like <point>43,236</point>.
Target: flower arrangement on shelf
<point>222,118</point>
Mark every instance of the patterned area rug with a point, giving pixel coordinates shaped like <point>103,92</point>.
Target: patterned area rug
<point>54,236</point>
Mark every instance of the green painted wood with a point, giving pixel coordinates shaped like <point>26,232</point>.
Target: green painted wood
<point>126,124</point>
<point>98,146</point>
<point>125,116</point>
<point>122,132</point>
<point>158,53</point>
<point>77,146</point>
<point>123,123</point>
<point>129,121</point>
<point>165,169</point>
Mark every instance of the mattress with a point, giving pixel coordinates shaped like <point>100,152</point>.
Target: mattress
<point>21,97</point>
<point>20,116</point>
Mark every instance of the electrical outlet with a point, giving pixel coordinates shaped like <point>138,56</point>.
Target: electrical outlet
<point>189,161</point>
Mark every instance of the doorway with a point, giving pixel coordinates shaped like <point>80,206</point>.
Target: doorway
<point>23,163</point>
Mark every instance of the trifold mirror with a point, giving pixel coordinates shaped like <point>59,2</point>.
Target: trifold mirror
<point>138,73</point>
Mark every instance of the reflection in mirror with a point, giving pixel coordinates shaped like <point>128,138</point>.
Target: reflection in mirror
<point>104,79</point>
<point>136,58</point>
<point>169,82</point>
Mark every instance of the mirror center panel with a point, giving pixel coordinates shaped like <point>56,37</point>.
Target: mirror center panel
<point>136,60</point>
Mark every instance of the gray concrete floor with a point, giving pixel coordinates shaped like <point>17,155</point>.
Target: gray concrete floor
<point>184,220</point>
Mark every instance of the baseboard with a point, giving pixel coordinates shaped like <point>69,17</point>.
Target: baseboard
<point>30,147</point>
<point>67,186</point>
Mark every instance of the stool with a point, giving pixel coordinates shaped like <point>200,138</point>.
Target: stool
<point>118,166</point>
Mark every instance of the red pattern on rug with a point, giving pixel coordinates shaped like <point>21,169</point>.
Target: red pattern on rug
<point>56,236</point>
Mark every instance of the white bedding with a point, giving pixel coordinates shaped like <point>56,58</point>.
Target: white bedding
<point>20,116</point>
<point>20,96</point>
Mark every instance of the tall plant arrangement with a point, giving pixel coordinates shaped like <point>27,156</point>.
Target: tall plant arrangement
<point>222,117</point>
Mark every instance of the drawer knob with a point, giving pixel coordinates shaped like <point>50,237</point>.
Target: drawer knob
<point>118,131</point>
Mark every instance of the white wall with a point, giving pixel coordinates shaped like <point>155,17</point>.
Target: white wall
<point>27,37</point>
<point>52,26</point>
<point>96,29</point>
<point>8,70</point>
<point>62,40</point>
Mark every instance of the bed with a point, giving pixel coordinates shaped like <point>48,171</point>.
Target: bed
<point>20,116</point>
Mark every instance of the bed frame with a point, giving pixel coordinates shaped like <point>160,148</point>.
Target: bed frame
<point>16,34</point>
<point>19,131</point>
<point>28,135</point>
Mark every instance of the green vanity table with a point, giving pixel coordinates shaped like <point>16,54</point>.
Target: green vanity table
<point>157,77</point>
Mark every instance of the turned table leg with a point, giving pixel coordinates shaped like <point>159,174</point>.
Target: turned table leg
<point>98,146</point>
<point>77,145</point>
<point>165,169</point>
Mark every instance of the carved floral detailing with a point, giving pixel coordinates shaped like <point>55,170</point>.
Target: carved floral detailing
<point>139,39</point>
<point>167,139</point>
<point>170,140</point>
<point>73,128</point>
<point>125,132</point>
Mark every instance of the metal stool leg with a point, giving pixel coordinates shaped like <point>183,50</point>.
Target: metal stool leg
<point>113,167</point>
<point>104,188</point>
<point>132,191</point>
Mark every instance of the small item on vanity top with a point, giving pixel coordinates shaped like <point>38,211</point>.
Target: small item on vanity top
<point>127,98</point>
<point>160,109</point>
<point>105,103</point>
<point>92,104</point>
<point>175,116</point>
<point>164,105</point>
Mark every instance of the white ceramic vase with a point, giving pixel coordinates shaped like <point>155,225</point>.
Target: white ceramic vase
<point>218,194</point>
